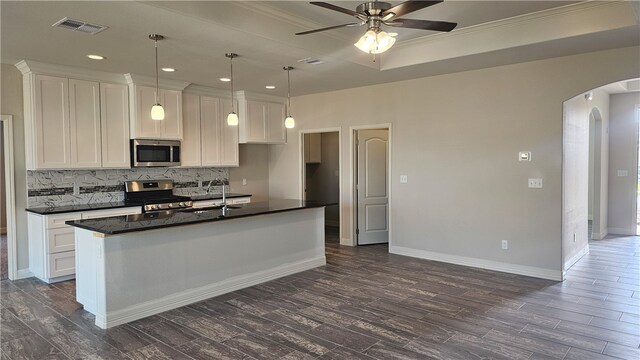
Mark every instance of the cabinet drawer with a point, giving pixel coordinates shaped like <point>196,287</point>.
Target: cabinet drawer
<point>243,200</point>
<point>110,212</point>
<point>61,239</point>
<point>207,203</point>
<point>62,264</point>
<point>57,221</point>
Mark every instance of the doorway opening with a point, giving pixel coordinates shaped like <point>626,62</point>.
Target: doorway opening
<point>638,174</point>
<point>371,189</point>
<point>321,176</point>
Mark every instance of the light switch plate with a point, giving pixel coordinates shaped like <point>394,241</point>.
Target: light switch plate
<point>623,172</point>
<point>244,181</point>
<point>535,183</point>
<point>403,179</point>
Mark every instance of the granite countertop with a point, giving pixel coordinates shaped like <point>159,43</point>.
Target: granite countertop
<point>82,207</point>
<point>216,196</point>
<point>157,220</point>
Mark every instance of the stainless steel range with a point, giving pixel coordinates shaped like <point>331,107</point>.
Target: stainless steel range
<point>154,195</point>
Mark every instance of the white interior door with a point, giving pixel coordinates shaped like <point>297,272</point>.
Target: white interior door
<point>372,186</point>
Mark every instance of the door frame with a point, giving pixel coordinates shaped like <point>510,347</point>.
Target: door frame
<point>353,171</point>
<point>9,173</point>
<point>302,170</point>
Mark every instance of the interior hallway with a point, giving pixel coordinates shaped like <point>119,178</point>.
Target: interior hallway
<point>364,304</point>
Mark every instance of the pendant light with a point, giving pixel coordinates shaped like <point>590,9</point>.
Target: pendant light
<point>232,118</point>
<point>157,112</point>
<point>289,122</point>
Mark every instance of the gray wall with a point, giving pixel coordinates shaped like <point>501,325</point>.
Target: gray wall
<point>323,180</point>
<point>11,104</point>
<point>457,137</point>
<point>254,166</point>
<point>623,133</point>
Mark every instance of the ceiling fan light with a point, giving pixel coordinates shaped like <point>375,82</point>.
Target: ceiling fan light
<point>157,112</point>
<point>289,122</point>
<point>232,119</point>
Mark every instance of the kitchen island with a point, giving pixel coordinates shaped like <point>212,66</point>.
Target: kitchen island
<point>131,267</point>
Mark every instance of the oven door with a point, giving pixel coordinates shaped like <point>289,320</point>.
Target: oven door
<point>155,153</point>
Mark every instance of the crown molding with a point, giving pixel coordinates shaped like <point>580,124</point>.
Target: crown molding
<point>246,95</point>
<point>36,67</point>
<point>542,26</point>
<point>135,79</point>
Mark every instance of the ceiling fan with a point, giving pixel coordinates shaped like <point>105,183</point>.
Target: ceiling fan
<point>378,13</point>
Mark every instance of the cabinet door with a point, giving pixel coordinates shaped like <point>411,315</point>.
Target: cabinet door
<point>190,150</point>
<point>229,138</point>
<point>51,120</point>
<point>144,126</point>
<point>172,123</point>
<point>256,121</point>
<point>84,124</point>
<point>210,124</point>
<point>277,133</point>
<point>114,124</point>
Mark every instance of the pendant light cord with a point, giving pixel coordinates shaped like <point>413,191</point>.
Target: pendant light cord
<point>289,92</point>
<point>232,105</point>
<point>157,81</point>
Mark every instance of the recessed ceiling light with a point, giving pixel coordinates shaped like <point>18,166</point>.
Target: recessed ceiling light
<point>168,69</point>
<point>270,87</point>
<point>225,79</point>
<point>95,57</point>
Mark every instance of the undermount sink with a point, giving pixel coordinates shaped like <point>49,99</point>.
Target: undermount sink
<point>210,208</point>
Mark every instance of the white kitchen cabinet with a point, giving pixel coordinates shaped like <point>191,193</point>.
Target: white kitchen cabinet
<point>142,98</point>
<point>84,124</point>
<point>75,124</point>
<point>261,119</point>
<point>52,242</point>
<point>48,141</point>
<point>190,149</point>
<point>114,125</point>
<point>312,148</point>
<point>208,140</point>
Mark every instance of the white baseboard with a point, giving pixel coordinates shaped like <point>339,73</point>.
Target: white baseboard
<point>622,231</point>
<point>479,263</point>
<point>202,293</point>
<point>601,235</point>
<point>23,274</point>
<point>574,259</point>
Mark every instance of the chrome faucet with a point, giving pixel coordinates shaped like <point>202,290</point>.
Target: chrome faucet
<point>209,187</point>
<point>224,194</point>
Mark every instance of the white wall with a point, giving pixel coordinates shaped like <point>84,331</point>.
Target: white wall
<point>11,104</point>
<point>457,137</point>
<point>254,166</point>
<point>623,133</point>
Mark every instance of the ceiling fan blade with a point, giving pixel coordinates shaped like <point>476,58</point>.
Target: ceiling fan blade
<point>329,28</point>
<point>407,7</point>
<point>422,24</point>
<point>334,7</point>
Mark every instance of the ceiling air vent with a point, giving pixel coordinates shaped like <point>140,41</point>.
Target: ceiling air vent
<point>78,25</point>
<point>311,61</point>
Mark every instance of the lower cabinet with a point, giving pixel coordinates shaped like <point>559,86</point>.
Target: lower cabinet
<point>52,245</point>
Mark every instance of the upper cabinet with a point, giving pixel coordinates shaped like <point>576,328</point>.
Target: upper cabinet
<point>208,140</point>
<point>73,123</point>
<point>261,119</point>
<point>142,94</point>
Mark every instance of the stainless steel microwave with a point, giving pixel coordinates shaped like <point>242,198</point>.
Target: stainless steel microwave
<point>146,153</point>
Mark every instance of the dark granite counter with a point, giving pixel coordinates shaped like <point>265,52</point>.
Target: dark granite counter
<point>74,208</point>
<point>216,196</point>
<point>157,220</point>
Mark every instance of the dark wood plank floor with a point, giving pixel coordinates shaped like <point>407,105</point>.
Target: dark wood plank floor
<point>365,304</point>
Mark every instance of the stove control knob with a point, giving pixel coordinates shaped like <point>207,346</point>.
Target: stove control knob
<point>152,207</point>
<point>181,204</point>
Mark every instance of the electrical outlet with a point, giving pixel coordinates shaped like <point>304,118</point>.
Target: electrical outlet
<point>244,181</point>
<point>505,244</point>
<point>403,179</point>
<point>535,183</point>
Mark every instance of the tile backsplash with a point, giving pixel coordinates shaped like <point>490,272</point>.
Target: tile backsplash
<point>75,187</point>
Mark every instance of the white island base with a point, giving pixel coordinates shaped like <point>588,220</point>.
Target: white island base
<point>125,277</point>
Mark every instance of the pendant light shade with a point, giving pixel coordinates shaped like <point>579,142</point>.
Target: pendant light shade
<point>289,121</point>
<point>157,111</point>
<point>232,118</point>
